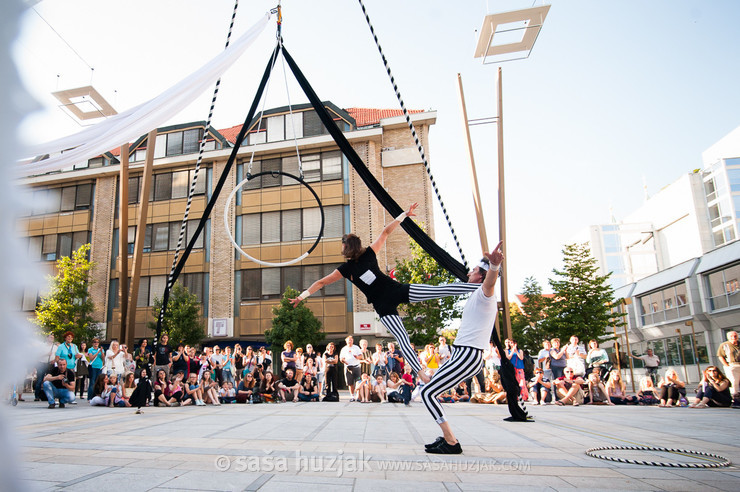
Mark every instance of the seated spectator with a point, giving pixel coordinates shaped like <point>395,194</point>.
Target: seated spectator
<point>288,387</point>
<point>259,375</point>
<point>597,394</point>
<point>394,388</point>
<point>617,390</point>
<point>540,386</point>
<point>461,392</point>
<point>713,391</point>
<point>227,394</point>
<point>378,391</point>
<point>101,390</point>
<point>59,383</point>
<point>494,391</point>
<point>364,389</point>
<point>309,367</point>
<point>569,388</point>
<point>129,385</point>
<point>648,393</point>
<point>209,388</point>
<point>670,389</point>
<point>193,391</point>
<point>308,389</point>
<point>268,388</point>
<point>162,390</point>
<point>116,393</point>
<point>143,391</point>
<point>247,389</point>
<point>177,391</point>
<point>447,396</point>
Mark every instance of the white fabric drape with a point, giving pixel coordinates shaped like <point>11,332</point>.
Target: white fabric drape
<point>137,121</point>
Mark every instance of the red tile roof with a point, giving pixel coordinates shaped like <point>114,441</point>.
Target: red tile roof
<point>372,116</point>
<point>231,133</point>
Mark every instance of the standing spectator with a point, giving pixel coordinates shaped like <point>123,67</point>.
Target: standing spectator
<point>163,357</point>
<point>114,358</point>
<point>69,352</point>
<point>309,368</point>
<point>228,368</point>
<point>298,364</point>
<point>430,359</point>
<point>576,354</point>
<point>407,384</point>
<point>350,356</point>
<point>45,364</point>
<point>196,364</point>
<point>516,356</point>
<point>320,372</point>
<point>597,394</point>
<point>617,390</point>
<point>395,359</point>
<point>180,360</point>
<point>95,357</point>
<point>714,390</point>
<point>443,350</point>
<point>367,358</point>
<point>670,389</point>
<point>288,357</point>
<point>652,362</point>
<point>558,360</point>
<point>288,387</point>
<point>308,389</point>
<point>310,354</point>
<point>142,357</point>
<point>60,383</point>
<point>492,361</point>
<point>251,361</point>
<point>265,359</point>
<point>729,355</point>
<point>82,370</point>
<point>569,389</point>
<point>598,359</point>
<point>543,360</point>
<point>129,365</point>
<point>541,387</point>
<point>380,362</point>
<point>330,363</point>
<point>239,362</point>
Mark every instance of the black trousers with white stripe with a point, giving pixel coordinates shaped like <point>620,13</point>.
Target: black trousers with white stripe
<point>464,363</point>
<point>418,293</point>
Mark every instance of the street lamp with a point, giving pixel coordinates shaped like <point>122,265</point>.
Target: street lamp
<point>503,37</point>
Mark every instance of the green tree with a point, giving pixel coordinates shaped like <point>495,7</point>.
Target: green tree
<point>527,324</point>
<point>68,306</point>
<point>424,320</point>
<point>583,298</point>
<point>182,321</point>
<point>297,324</point>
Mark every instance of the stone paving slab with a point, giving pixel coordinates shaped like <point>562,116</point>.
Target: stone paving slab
<point>353,447</point>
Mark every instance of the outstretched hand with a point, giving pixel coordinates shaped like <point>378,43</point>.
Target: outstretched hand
<point>496,257</point>
<point>295,301</point>
<point>410,211</point>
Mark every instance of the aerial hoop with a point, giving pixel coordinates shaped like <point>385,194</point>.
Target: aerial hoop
<point>274,174</point>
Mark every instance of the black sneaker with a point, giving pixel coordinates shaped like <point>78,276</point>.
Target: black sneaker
<point>52,405</point>
<point>436,441</point>
<point>61,405</point>
<point>445,448</point>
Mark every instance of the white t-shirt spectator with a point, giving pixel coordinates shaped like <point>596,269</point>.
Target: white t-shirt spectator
<point>444,353</point>
<point>650,360</point>
<point>542,359</point>
<point>114,364</point>
<point>350,354</point>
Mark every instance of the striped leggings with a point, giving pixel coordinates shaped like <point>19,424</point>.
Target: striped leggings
<point>464,363</point>
<point>417,293</point>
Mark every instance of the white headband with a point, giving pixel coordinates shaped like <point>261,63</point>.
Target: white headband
<point>484,265</point>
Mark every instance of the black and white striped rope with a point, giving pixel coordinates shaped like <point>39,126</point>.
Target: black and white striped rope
<point>413,133</point>
<point>198,162</point>
<point>712,464</point>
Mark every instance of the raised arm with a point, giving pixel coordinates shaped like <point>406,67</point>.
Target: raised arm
<point>316,286</point>
<point>378,244</point>
<point>496,258</point>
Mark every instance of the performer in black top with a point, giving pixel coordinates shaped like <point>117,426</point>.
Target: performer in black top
<point>384,293</point>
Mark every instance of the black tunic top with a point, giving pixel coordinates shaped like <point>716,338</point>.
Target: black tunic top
<point>384,293</point>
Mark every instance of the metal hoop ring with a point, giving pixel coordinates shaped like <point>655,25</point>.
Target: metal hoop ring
<point>712,464</point>
<point>274,174</point>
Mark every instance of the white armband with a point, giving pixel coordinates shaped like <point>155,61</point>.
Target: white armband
<point>401,217</point>
<point>304,294</point>
<point>495,268</point>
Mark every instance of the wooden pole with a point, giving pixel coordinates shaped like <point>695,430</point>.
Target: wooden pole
<point>502,207</point>
<point>473,173</point>
<point>629,353</point>
<point>140,235</point>
<point>693,344</point>
<point>123,238</point>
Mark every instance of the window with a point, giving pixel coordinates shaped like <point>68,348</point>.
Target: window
<point>291,225</point>
<point>165,235</point>
<point>157,285</point>
<point>723,287</point>
<point>664,305</point>
<point>251,230</point>
<point>191,140</point>
<point>66,199</point>
<point>270,283</point>
<point>134,189</point>
<point>331,165</point>
<point>180,184</point>
<point>174,143</point>
<point>49,249</point>
<point>275,128</point>
<point>169,186</point>
<point>160,233</point>
<point>312,124</point>
<point>270,227</point>
<point>317,167</point>
<point>293,126</point>
<point>710,190</point>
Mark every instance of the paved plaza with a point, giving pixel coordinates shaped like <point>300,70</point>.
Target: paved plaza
<point>352,446</point>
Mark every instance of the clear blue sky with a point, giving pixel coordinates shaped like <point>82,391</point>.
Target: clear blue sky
<point>613,92</point>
